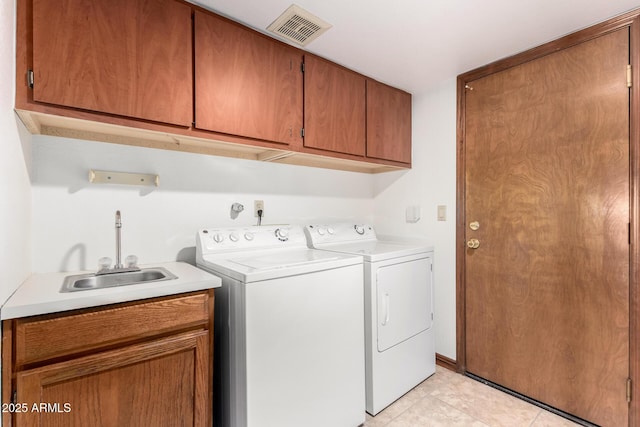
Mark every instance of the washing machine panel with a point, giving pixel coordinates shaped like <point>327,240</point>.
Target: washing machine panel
<point>289,345</point>
<point>404,304</point>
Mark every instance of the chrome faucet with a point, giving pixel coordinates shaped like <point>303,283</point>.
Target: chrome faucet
<point>118,241</point>
<point>104,264</point>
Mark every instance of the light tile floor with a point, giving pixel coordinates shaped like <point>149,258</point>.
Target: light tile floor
<point>451,399</point>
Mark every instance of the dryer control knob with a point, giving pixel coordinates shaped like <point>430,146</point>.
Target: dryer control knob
<point>248,236</point>
<point>359,229</point>
<point>233,237</point>
<point>321,231</point>
<point>282,234</point>
<point>218,238</point>
<point>330,230</point>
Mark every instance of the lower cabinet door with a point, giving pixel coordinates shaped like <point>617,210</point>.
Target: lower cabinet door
<point>156,383</point>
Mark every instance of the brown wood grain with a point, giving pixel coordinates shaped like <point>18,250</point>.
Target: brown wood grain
<point>130,58</point>
<point>547,176</point>
<point>334,107</point>
<point>161,382</point>
<point>631,21</point>
<point>151,129</point>
<point>52,336</point>
<point>388,122</point>
<point>246,84</point>
<point>446,362</point>
<point>634,232</point>
<point>7,370</point>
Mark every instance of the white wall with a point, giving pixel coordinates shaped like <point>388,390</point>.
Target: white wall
<point>15,193</point>
<point>73,220</point>
<point>431,182</point>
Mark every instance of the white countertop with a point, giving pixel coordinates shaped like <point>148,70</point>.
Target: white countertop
<point>40,293</point>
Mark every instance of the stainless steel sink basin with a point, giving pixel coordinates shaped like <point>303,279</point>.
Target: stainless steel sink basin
<point>84,282</point>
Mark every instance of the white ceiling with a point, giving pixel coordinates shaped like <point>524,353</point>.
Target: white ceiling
<point>416,44</point>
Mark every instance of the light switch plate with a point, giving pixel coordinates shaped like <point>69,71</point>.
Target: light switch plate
<point>442,212</point>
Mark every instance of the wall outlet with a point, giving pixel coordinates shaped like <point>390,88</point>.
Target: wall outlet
<point>258,205</point>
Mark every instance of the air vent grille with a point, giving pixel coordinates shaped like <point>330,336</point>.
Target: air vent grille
<point>298,25</point>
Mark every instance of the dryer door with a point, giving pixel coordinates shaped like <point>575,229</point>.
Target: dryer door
<point>404,301</point>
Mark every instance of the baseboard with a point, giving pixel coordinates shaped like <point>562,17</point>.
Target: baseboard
<point>445,362</point>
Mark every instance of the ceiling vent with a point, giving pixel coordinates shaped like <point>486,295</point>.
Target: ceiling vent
<point>298,25</point>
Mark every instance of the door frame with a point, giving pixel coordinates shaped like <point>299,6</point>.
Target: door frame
<point>632,21</point>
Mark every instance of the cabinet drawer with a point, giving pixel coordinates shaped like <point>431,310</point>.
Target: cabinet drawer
<point>45,337</point>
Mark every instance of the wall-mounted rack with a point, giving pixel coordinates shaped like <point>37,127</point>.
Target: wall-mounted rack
<point>126,178</point>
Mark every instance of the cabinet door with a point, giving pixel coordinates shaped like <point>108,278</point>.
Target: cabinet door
<point>334,107</point>
<point>124,57</point>
<point>246,84</point>
<point>388,123</point>
<point>161,382</point>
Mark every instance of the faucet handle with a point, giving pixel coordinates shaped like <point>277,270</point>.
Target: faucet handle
<point>131,261</point>
<point>104,263</point>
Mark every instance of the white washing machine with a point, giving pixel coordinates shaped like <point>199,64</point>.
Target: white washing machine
<point>399,337</point>
<point>288,347</point>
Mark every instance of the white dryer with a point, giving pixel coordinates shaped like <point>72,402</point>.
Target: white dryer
<point>289,347</point>
<point>398,287</point>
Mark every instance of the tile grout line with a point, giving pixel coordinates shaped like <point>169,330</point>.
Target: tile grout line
<point>459,410</point>
<point>536,418</point>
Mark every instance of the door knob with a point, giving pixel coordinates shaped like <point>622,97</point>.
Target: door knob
<point>473,243</point>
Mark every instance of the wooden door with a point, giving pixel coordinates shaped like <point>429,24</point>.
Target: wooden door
<point>126,57</point>
<point>547,181</point>
<point>161,382</point>
<point>246,83</point>
<point>334,107</point>
<point>388,123</point>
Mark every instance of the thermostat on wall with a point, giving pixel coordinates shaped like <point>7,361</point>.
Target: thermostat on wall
<point>413,214</point>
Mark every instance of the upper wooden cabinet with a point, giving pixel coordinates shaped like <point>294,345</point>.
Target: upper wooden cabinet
<point>130,58</point>
<point>246,83</point>
<point>334,107</point>
<point>169,74</point>
<point>388,123</point>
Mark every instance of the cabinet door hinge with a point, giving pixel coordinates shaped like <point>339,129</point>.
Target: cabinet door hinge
<point>628,389</point>
<point>629,76</point>
<point>629,231</point>
<point>302,132</point>
<point>30,78</point>
<point>14,396</point>
<point>302,67</point>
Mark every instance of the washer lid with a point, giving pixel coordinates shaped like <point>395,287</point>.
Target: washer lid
<point>272,264</point>
<point>376,250</point>
<point>271,261</point>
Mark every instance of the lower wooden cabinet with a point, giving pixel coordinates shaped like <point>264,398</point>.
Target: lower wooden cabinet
<point>158,372</point>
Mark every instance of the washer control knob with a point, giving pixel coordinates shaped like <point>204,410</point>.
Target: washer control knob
<point>218,238</point>
<point>248,236</point>
<point>233,237</point>
<point>282,234</point>
<point>330,230</point>
<point>321,231</point>
<point>359,229</point>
